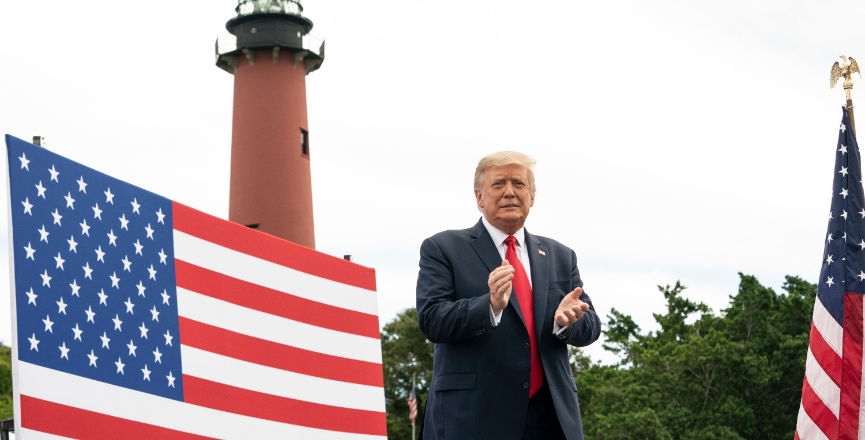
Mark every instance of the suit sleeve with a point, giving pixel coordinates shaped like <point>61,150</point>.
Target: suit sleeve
<point>588,328</point>
<point>444,314</point>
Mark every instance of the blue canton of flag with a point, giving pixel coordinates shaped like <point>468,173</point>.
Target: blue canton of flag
<point>94,273</point>
<point>843,268</point>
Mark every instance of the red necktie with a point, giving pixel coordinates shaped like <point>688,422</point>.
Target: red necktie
<point>523,290</point>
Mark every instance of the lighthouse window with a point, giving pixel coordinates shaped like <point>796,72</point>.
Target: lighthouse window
<point>304,142</point>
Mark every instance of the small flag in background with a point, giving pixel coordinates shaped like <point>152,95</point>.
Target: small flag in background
<point>138,317</point>
<point>412,403</point>
<point>832,389</point>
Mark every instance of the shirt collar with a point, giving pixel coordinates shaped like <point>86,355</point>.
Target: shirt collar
<point>499,237</point>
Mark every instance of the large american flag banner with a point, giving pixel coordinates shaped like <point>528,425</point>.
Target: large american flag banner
<point>138,317</point>
<point>831,406</point>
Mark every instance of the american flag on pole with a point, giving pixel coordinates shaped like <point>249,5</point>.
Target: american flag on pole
<point>138,317</point>
<point>832,396</point>
<point>412,403</point>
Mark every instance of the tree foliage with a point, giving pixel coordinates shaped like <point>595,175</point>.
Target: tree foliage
<point>733,376</point>
<point>6,408</point>
<point>405,353</point>
<point>703,376</point>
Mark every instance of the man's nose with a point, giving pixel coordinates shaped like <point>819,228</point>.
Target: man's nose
<point>509,190</point>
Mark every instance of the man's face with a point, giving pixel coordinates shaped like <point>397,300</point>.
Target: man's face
<point>505,198</point>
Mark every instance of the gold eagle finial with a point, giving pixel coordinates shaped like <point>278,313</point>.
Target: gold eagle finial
<point>845,70</point>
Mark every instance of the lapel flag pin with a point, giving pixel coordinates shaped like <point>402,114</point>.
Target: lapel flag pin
<point>542,252</point>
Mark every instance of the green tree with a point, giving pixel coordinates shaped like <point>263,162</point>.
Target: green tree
<point>737,375</point>
<point>405,352</point>
<point>6,410</point>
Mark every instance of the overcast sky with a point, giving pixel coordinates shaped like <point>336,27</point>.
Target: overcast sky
<point>675,140</point>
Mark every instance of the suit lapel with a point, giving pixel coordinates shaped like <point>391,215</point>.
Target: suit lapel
<point>484,246</point>
<point>486,250</point>
<point>540,265</point>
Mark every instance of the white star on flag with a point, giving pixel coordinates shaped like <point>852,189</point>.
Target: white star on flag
<point>73,246</point>
<point>31,297</point>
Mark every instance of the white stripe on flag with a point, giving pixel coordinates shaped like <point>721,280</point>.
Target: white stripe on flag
<point>828,327</point>
<point>273,328</point>
<point>250,376</point>
<point>141,407</point>
<point>254,270</point>
<point>806,428</point>
<point>822,384</point>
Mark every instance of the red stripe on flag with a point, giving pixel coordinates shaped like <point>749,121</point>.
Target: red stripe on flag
<point>825,355</point>
<point>280,409</point>
<point>268,247</point>
<point>274,302</point>
<point>816,410</point>
<point>67,421</point>
<point>851,373</point>
<point>259,351</point>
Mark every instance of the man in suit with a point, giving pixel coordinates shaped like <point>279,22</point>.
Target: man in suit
<point>501,305</point>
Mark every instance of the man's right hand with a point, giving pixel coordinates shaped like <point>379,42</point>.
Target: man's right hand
<point>500,282</point>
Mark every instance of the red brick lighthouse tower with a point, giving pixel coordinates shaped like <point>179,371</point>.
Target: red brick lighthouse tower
<point>271,189</point>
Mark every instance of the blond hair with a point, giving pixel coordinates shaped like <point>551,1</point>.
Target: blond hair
<point>504,158</point>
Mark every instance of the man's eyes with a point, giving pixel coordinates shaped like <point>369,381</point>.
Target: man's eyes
<point>517,183</point>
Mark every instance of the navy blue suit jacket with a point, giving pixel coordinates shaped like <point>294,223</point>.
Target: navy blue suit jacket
<point>480,380</point>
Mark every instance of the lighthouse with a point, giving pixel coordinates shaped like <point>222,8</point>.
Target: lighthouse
<point>269,51</point>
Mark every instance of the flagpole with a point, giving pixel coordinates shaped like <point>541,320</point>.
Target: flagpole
<point>846,69</point>
<point>412,423</point>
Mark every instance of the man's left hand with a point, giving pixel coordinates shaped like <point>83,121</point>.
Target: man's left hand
<point>571,309</point>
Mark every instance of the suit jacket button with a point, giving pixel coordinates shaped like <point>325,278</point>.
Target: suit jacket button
<point>526,345</point>
<point>525,384</point>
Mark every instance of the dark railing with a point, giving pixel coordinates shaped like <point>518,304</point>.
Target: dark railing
<point>226,43</point>
<point>6,426</point>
